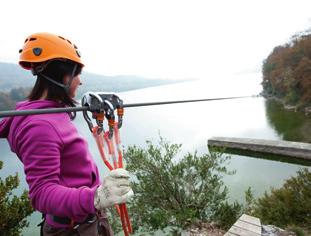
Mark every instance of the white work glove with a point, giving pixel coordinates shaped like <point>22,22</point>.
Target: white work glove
<point>115,189</point>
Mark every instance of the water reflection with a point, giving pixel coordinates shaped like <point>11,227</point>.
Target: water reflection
<point>272,157</point>
<point>290,125</point>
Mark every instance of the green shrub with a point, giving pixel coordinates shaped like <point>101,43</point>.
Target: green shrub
<point>178,192</point>
<point>288,205</point>
<point>297,230</point>
<point>227,214</point>
<point>13,209</point>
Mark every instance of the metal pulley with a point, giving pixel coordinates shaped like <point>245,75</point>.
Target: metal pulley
<point>102,105</point>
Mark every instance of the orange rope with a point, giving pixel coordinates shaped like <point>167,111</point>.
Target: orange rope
<point>100,138</point>
<point>123,205</point>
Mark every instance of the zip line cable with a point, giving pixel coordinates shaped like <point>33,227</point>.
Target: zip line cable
<point>103,106</point>
<point>85,108</point>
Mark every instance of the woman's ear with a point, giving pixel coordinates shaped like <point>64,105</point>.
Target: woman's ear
<point>66,79</point>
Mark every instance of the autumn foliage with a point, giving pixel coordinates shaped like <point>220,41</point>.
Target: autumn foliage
<point>287,71</point>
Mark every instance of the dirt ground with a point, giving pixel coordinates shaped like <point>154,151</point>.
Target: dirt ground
<point>203,230</point>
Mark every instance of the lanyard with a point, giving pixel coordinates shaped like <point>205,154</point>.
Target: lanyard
<point>104,106</point>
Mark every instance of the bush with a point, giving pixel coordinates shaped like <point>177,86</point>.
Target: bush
<point>178,193</point>
<point>227,214</point>
<point>13,209</point>
<point>289,205</point>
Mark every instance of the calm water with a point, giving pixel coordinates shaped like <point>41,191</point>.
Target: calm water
<point>193,124</point>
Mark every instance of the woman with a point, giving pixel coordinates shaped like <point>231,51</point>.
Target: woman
<point>63,178</point>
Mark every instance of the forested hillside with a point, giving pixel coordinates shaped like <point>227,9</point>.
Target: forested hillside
<point>287,71</point>
<point>13,76</point>
<point>9,99</point>
<point>15,83</point>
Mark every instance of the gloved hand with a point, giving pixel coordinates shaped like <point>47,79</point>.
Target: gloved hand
<point>115,189</point>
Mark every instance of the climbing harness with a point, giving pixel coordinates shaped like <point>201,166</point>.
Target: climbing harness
<point>103,105</point>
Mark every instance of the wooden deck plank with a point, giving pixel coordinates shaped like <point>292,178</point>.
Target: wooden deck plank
<point>229,234</point>
<point>245,226</point>
<point>242,232</point>
<point>248,226</point>
<point>278,147</point>
<point>250,219</point>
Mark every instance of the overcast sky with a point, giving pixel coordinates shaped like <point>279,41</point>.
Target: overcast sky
<point>160,38</point>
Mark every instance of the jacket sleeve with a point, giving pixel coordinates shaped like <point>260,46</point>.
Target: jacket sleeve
<point>40,147</point>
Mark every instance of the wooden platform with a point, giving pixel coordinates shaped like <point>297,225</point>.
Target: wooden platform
<point>284,148</point>
<point>245,226</point>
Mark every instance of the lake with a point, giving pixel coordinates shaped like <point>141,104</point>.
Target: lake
<point>192,124</point>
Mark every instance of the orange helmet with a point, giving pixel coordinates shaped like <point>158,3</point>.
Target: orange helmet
<point>41,47</point>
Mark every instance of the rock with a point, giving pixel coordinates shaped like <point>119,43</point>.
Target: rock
<point>290,107</point>
<point>307,111</point>
<point>271,230</point>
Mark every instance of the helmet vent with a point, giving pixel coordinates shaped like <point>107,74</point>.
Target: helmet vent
<point>20,50</point>
<point>61,37</point>
<point>32,39</point>
<point>26,40</point>
<point>37,51</point>
<point>69,41</point>
<point>75,46</point>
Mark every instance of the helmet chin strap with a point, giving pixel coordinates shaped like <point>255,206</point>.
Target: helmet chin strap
<point>71,78</point>
<point>67,86</point>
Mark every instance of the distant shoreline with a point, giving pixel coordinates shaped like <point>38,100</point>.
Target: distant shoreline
<point>295,108</point>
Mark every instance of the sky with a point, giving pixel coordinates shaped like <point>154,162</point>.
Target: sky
<point>175,39</point>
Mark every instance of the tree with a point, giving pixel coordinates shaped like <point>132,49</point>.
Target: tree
<point>286,71</point>
<point>5,101</point>
<point>178,192</point>
<point>9,99</point>
<point>19,94</point>
<point>13,209</point>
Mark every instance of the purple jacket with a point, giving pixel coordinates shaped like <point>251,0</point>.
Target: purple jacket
<point>60,171</point>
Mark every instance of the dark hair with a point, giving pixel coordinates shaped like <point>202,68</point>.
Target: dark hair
<point>56,70</point>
